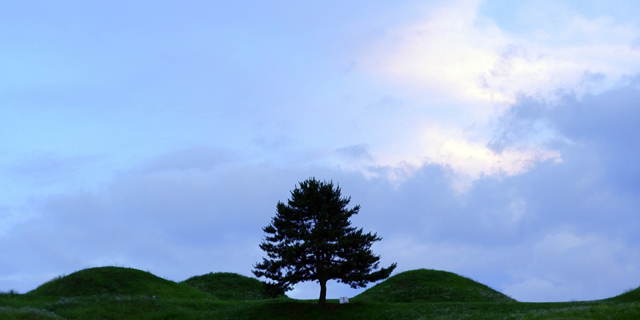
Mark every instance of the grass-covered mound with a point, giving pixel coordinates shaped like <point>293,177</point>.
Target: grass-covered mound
<point>425,285</point>
<point>229,286</point>
<point>115,280</point>
<point>629,296</point>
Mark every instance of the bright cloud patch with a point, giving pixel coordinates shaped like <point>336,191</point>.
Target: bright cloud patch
<point>467,56</point>
<point>468,160</point>
<point>480,70</point>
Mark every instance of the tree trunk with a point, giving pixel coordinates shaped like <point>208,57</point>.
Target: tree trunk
<point>323,292</point>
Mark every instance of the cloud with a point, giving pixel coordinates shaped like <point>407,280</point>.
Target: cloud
<point>579,266</point>
<point>470,161</point>
<point>164,218</point>
<point>586,203</point>
<point>356,151</point>
<point>465,157</point>
<point>193,158</point>
<point>568,228</point>
<point>458,52</point>
<point>178,214</point>
<point>441,52</point>
<point>602,125</point>
<point>458,66</point>
<point>180,220</point>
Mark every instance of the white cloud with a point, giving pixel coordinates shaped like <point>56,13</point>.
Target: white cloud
<point>455,51</point>
<point>468,160</point>
<point>478,71</point>
<point>471,160</point>
<point>447,52</point>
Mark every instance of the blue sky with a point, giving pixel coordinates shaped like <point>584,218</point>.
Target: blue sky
<point>494,139</point>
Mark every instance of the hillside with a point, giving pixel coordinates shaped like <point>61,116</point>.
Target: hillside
<point>629,296</point>
<point>123,293</point>
<point>425,285</point>
<point>115,280</point>
<point>229,286</point>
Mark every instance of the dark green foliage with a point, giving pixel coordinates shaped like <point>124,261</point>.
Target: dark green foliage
<point>425,285</point>
<point>273,290</point>
<point>311,239</point>
<point>114,280</point>
<point>229,286</point>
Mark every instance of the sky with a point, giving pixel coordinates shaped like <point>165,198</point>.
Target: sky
<point>495,139</point>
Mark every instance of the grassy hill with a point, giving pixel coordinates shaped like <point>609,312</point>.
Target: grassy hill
<point>629,296</point>
<point>115,281</point>
<point>123,293</point>
<point>229,286</point>
<point>425,285</point>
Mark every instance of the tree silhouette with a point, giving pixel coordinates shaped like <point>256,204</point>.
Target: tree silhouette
<point>311,239</point>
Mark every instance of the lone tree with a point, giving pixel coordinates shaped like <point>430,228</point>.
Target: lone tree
<point>311,239</point>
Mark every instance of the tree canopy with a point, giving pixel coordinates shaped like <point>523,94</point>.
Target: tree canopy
<point>311,239</point>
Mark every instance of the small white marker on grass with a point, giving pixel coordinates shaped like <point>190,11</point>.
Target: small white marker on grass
<point>344,300</point>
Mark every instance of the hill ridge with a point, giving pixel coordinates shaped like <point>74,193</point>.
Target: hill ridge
<point>229,286</point>
<point>114,280</point>
<point>428,285</point>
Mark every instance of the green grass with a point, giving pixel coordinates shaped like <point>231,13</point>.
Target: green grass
<point>115,280</point>
<point>124,293</point>
<point>229,286</point>
<point>629,296</point>
<point>424,285</point>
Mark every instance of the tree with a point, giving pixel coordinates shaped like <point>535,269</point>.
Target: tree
<point>311,239</point>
